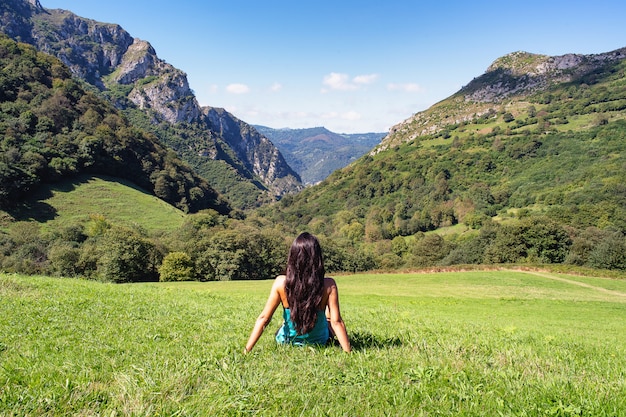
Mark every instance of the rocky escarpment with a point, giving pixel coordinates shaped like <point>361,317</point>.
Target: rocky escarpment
<point>157,85</point>
<point>513,76</point>
<point>15,18</point>
<point>130,71</point>
<point>90,49</point>
<point>521,73</point>
<point>267,162</point>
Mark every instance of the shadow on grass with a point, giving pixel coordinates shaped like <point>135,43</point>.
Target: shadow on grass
<point>365,340</point>
<point>33,209</point>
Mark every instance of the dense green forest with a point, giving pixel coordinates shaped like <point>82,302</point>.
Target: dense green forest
<point>535,180</point>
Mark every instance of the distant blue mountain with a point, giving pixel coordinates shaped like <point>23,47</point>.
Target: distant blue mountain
<point>316,152</point>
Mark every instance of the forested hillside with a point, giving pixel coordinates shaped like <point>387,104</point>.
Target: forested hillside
<point>533,171</point>
<point>53,128</point>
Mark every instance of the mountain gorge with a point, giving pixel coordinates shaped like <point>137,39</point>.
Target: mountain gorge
<point>235,159</point>
<point>316,152</point>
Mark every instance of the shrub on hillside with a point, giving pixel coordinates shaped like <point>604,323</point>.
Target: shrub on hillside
<point>610,253</point>
<point>238,253</point>
<point>64,259</point>
<point>177,266</point>
<point>127,257</point>
<point>532,240</point>
<point>428,250</point>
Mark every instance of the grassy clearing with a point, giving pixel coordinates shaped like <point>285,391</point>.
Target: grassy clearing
<point>72,202</point>
<point>463,343</point>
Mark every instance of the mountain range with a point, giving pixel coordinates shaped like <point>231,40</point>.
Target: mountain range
<point>316,152</point>
<point>524,164</point>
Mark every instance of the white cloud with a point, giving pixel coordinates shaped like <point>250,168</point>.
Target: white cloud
<point>337,81</point>
<point>407,88</point>
<point>349,115</point>
<point>342,82</point>
<point>365,79</point>
<point>276,87</point>
<point>237,88</point>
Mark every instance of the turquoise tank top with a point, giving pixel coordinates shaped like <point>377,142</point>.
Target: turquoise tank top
<point>317,336</point>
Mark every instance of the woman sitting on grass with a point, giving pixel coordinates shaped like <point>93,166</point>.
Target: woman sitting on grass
<point>310,300</point>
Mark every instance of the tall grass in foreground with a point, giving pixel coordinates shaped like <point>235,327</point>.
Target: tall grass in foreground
<point>473,343</point>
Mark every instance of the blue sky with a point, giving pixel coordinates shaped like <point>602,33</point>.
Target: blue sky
<point>350,66</point>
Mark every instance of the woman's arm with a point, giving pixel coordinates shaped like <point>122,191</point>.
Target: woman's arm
<point>266,315</point>
<point>336,322</point>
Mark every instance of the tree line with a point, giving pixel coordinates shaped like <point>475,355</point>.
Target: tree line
<point>209,246</point>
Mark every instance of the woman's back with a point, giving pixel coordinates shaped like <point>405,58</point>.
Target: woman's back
<point>310,300</point>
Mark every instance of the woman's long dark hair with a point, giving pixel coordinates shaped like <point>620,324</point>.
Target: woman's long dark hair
<point>305,281</point>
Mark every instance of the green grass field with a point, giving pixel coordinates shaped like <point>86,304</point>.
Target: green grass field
<point>460,343</point>
<point>73,201</point>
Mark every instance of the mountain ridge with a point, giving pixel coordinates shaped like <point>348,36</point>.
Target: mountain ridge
<point>518,73</point>
<point>130,73</point>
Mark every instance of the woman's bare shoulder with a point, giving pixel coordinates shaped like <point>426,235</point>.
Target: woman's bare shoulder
<point>329,282</point>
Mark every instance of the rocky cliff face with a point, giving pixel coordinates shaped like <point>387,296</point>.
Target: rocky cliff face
<point>15,18</point>
<point>167,94</point>
<point>248,144</point>
<point>108,57</point>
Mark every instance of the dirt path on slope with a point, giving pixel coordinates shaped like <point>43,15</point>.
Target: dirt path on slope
<point>580,284</point>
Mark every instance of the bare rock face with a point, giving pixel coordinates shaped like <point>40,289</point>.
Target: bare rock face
<point>139,61</point>
<point>167,92</point>
<point>90,49</point>
<point>524,73</point>
<point>263,158</point>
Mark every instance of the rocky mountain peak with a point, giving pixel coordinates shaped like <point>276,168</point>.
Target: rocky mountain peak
<point>521,73</point>
<point>35,4</point>
<point>511,77</point>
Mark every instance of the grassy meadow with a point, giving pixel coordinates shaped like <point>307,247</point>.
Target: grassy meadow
<point>73,201</point>
<point>476,343</point>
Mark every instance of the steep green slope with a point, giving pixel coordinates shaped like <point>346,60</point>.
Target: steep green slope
<point>553,144</point>
<point>76,201</point>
